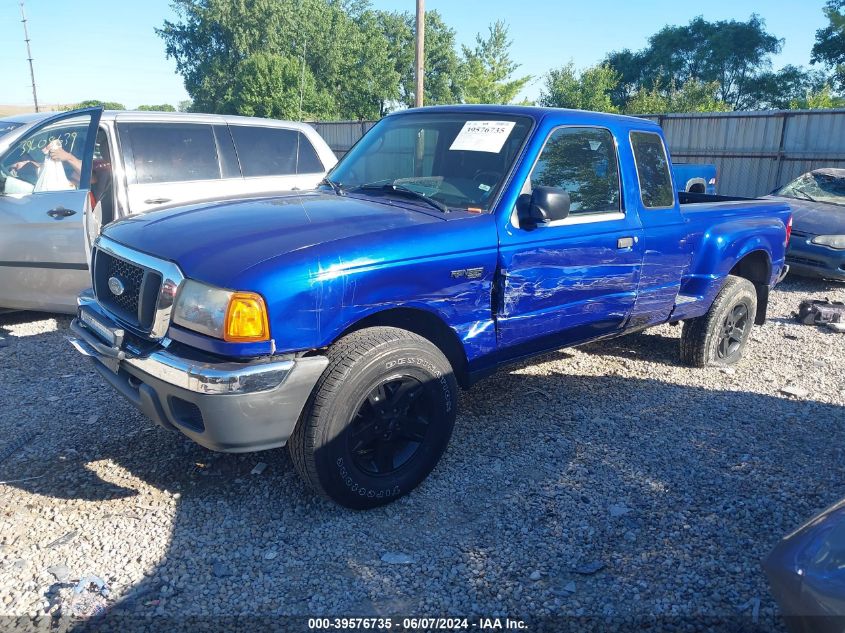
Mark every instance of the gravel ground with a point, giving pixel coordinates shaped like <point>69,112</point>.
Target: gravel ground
<point>606,481</point>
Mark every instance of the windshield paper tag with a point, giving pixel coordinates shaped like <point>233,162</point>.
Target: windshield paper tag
<point>482,136</point>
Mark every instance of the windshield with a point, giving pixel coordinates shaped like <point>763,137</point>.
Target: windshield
<point>8,126</point>
<point>459,160</point>
<point>816,187</point>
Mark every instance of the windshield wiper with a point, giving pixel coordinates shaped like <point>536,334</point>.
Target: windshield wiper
<point>805,195</point>
<point>336,186</point>
<point>394,188</point>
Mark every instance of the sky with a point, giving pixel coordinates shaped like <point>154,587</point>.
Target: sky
<point>90,49</point>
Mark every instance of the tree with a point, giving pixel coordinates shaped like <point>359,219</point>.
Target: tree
<point>829,48</point>
<point>487,69</point>
<point>272,86</point>
<point>779,90</point>
<point>591,90</point>
<point>93,103</point>
<point>165,107</point>
<point>442,65</point>
<point>344,50</point>
<point>693,96</point>
<point>186,105</point>
<point>818,100</point>
<point>734,55</point>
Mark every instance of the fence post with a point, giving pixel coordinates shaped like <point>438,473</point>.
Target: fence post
<point>781,151</point>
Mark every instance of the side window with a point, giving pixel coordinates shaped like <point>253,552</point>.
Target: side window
<point>266,151</point>
<point>309,162</point>
<point>48,159</point>
<point>656,188</point>
<point>169,152</point>
<point>582,161</point>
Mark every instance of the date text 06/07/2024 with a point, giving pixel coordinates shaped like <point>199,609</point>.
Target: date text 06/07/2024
<point>415,624</point>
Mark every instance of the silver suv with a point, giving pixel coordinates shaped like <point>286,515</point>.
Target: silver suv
<point>63,176</point>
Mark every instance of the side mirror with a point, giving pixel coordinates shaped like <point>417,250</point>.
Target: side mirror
<point>544,205</point>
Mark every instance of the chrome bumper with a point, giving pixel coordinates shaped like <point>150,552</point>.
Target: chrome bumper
<point>199,377</point>
<point>222,405</point>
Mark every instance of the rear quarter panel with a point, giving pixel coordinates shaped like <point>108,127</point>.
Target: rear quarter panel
<point>722,234</point>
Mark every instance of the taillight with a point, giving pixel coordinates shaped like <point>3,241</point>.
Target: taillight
<point>788,231</point>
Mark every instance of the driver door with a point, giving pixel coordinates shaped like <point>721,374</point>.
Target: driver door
<point>42,245</point>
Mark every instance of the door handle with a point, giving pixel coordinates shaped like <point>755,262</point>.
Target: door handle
<point>60,212</point>
<point>156,200</point>
<point>626,242</point>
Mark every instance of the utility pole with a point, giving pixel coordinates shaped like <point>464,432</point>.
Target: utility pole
<point>420,57</point>
<point>302,78</point>
<point>29,57</point>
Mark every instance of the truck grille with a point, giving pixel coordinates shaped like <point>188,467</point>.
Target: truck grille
<point>136,304</point>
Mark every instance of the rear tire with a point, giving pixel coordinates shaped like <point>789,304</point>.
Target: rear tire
<point>378,420</point>
<point>717,338</point>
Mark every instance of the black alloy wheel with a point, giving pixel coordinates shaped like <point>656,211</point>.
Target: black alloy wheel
<point>390,425</point>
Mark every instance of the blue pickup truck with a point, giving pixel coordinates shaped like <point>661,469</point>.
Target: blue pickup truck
<point>695,177</point>
<point>449,242</point>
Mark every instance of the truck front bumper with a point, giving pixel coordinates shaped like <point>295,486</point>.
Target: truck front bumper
<point>222,405</point>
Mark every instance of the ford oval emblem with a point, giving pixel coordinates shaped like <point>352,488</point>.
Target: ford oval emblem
<point>116,286</point>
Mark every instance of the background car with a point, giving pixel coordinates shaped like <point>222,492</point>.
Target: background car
<point>817,247</point>
<point>806,572</point>
<point>108,165</point>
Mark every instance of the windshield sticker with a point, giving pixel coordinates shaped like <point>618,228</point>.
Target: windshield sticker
<point>482,136</point>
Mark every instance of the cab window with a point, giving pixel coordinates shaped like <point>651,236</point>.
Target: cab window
<point>656,188</point>
<point>582,161</point>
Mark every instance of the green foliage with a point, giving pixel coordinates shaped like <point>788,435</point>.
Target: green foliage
<point>165,107</point>
<point>348,71</point>
<point>591,90</point>
<point>693,96</point>
<point>185,106</point>
<point>818,100</point>
<point>442,65</point>
<point>734,56</point>
<point>270,86</point>
<point>829,48</point>
<point>93,103</point>
<point>487,69</point>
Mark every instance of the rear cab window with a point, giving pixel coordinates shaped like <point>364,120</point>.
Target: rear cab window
<point>274,151</point>
<point>656,186</point>
<point>169,152</point>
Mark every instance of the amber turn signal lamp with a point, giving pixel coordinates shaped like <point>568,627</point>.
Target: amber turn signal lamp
<point>246,319</point>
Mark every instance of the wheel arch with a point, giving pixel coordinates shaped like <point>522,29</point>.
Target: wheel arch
<point>426,324</point>
<point>756,267</point>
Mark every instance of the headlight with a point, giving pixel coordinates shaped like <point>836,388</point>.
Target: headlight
<point>224,314</point>
<point>833,241</point>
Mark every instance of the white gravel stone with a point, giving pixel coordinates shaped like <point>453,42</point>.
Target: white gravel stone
<point>713,464</point>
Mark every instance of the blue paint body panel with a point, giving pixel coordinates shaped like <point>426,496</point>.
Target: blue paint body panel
<point>325,262</point>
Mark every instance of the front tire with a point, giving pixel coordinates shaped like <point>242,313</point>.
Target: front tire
<point>718,338</point>
<point>379,418</point>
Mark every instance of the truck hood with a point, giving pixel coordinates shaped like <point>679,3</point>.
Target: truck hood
<point>216,243</point>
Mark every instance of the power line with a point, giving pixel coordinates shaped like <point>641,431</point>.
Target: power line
<point>29,57</point>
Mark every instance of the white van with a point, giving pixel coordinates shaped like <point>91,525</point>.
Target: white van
<point>110,164</point>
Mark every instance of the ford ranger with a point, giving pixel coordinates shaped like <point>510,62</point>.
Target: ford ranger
<point>449,242</point>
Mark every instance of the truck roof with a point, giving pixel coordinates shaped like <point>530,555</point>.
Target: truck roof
<point>538,113</point>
